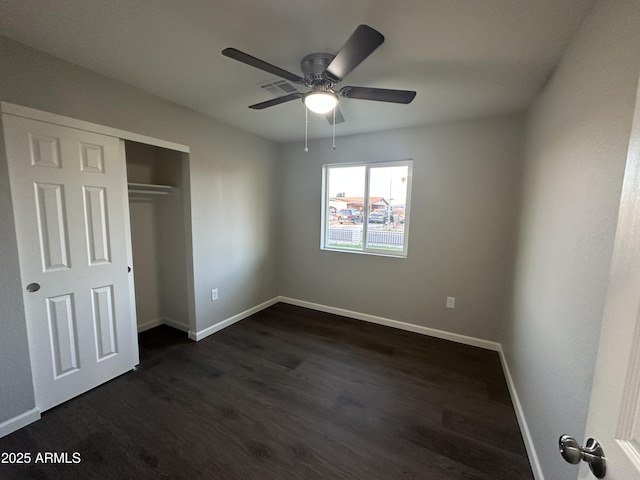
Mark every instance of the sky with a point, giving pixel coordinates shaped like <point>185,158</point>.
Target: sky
<point>350,180</point>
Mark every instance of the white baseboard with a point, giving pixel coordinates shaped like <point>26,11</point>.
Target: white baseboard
<point>142,327</point>
<point>199,335</point>
<point>19,421</point>
<point>432,332</point>
<point>175,324</point>
<point>522,421</point>
<point>162,321</point>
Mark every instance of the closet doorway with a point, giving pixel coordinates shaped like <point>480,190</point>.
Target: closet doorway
<point>159,206</point>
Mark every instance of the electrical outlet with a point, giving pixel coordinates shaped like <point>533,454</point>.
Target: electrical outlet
<point>451,302</point>
<point>214,294</point>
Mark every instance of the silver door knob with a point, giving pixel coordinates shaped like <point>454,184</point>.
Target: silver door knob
<point>591,453</point>
<point>33,287</point>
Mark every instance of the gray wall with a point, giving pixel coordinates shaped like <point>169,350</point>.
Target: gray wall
<point>462,215</point>
<point>576,145</point>
<point>16,388</point>
<point>233,185</point>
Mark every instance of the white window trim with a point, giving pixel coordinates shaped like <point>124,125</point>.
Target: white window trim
<point>325,208</point>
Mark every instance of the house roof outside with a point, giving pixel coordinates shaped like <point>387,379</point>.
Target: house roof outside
<point>359,201</point>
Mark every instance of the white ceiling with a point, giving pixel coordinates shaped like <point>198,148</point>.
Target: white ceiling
<point>465,58</point>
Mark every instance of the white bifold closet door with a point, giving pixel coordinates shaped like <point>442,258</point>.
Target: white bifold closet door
<point>69,196</point>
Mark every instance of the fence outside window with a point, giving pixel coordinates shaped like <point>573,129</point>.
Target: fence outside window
<point>353,236</point>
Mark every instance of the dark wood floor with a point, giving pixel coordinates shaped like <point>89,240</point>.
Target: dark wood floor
<point>288,393</point>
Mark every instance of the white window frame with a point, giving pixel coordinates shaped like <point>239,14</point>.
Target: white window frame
<point>324,244</point>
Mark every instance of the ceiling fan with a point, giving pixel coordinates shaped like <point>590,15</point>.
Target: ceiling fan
<point>323,71</point>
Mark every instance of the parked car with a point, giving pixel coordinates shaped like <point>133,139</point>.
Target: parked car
<point>349,215</point>
<point>377,217</point>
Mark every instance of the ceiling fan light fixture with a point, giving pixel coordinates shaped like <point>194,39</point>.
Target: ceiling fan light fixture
<point>321,101</point>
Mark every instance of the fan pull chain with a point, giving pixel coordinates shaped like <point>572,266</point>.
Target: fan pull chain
<point>333,147</point>
<point>306,127</point>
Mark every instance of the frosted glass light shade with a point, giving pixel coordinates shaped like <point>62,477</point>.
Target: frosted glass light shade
<point>320,102</point>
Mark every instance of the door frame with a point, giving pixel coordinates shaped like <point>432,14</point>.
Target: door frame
<point>39,115</point>
<point>33,114</point>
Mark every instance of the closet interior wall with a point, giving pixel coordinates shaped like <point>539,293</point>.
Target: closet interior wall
<point>158,238</point>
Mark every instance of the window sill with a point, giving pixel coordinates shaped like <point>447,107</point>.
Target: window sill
<point>365,252</point>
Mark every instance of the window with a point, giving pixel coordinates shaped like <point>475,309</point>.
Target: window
<point>366,207</point>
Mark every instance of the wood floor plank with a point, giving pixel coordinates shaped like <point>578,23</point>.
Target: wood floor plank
<point>288,393</point>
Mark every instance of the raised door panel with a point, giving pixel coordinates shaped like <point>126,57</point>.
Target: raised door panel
<point>63,335</point>
<point>52,226</point>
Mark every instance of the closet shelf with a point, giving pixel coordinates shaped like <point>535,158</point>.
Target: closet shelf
<point>150,189</point>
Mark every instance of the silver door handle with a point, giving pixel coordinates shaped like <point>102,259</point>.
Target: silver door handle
<point>591,453</point>
<point>33,287</point>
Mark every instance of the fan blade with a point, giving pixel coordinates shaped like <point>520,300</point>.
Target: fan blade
<point>378,94</point>
<point>260,64</point>
<point>276,101</point>
<point>362,42</point>
<point>339,116</point>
